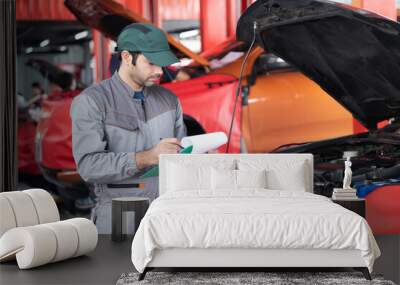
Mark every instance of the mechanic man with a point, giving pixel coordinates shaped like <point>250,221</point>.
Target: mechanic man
<point>121,125</point>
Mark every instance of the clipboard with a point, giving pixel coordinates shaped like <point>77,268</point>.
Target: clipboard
<point>154,171</point>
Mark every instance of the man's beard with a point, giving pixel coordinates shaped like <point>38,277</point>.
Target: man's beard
<point>149,81</point>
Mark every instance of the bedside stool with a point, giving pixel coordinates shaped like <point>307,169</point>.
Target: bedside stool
<point>139,205</point>
<point>356,205</point>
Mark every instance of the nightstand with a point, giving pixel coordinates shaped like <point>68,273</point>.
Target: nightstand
<point>139,205</point>
<point>356,205</point>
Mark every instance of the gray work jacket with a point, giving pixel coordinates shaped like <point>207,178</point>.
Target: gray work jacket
<point>109,126</point>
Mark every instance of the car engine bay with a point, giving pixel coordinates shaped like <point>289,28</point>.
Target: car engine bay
<point>376,158</point>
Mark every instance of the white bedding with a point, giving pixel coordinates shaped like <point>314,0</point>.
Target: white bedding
<point>251,218</point>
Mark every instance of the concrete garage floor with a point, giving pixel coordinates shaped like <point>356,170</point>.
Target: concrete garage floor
<point>102,266</point>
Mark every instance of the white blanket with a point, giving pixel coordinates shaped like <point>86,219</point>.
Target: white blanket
<point>250,219</point>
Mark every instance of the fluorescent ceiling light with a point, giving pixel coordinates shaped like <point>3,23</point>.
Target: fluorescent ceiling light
<point>29,50</point>
<point>63,48</point>
<point>81,35</point>
<point>189,34</point>
<point>44,43</point>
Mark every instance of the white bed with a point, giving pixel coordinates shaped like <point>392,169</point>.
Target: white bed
<point>201,220</point>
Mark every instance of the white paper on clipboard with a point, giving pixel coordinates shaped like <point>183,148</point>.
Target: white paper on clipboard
<point>206,142</point>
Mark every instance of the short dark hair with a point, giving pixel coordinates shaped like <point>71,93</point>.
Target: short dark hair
<point>134,54</point>
<point>115,60</point>
<point>36,84</point>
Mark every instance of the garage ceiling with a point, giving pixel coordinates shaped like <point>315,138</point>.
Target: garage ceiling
<point>30,34</point>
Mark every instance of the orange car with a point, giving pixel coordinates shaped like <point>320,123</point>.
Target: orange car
<point>282,106</point>
<point>279,104</point>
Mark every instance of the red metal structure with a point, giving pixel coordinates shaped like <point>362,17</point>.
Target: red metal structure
<point>33,10</point>
<point>101,54</point>
<point>175,10</point>
<point>212,33</point>
<point>157,10</point>
<point>385,8</point>
<point>138,6</point>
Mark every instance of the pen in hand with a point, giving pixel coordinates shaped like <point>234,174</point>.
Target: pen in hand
<point>181,147</point>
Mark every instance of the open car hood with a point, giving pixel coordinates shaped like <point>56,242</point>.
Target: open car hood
<point>353,54</point>
<point>110,17</point>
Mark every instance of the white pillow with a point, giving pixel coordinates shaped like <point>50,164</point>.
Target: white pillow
<point>182,177</point>
<point>251,178</point>
<point>223,179</point>
<point>281,174</point>
<point>288,176</point>
<point>187,175</point>
<point>226,179</point>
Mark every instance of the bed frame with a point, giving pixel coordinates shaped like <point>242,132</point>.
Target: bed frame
<point>242,259</point>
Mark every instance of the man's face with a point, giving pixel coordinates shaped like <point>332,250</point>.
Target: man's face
<point>144,73</point>
<point>36,91</point>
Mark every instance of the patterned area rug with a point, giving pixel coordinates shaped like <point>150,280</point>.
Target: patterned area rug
<point>242,278</point>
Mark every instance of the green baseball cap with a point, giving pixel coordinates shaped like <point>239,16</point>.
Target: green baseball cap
<point>149,40</point>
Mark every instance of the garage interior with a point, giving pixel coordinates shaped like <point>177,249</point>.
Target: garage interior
<point>259,94</point>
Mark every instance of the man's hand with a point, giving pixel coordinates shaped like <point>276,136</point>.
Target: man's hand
<point>151,156</point>
<point>171,145</point>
